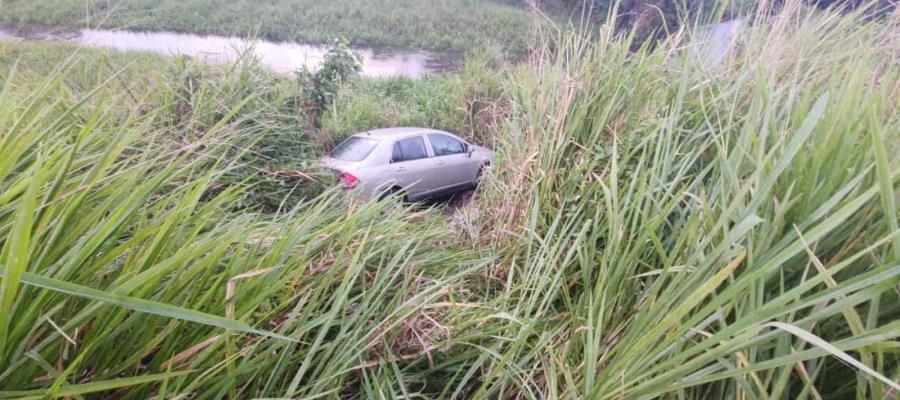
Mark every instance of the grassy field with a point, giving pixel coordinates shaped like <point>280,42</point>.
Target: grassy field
<point>456,25</point>
<point>652,227</point>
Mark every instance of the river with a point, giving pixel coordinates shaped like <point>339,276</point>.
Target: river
<point>284,57</point>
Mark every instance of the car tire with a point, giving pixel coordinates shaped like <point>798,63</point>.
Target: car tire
<point>479,178</point>
<point>398,193</point>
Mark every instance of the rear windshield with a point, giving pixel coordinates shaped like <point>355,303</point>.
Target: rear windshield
<point>354,149</point>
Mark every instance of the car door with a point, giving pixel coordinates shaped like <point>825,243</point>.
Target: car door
<point>453,163</point>
<point>413,167</point>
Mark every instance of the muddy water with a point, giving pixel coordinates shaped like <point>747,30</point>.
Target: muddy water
<point>284,57</point>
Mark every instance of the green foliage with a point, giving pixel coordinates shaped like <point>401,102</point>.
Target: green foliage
<point>679,231</point>
<point>463,103</point>
<point>339,65</point>
<point>122,249</point>
<point>397,101</point>
<point>274,161</point>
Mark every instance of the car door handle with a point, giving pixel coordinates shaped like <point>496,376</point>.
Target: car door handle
<point>401,169</point>
<point>442,162</point>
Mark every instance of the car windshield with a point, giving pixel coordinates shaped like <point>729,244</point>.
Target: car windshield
<point>354,149</point>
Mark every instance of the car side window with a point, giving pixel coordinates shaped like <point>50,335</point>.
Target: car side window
<point>409,149</point>
<point>445,145</point>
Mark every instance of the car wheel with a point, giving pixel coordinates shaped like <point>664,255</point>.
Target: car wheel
<point>480,177</point>
<point>397,193</point>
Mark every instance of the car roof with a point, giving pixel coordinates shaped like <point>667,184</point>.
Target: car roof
<point>393,133</point>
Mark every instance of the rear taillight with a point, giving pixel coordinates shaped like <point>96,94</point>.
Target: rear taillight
<point>350,181</point>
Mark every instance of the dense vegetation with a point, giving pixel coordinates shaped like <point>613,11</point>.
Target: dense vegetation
<point>457,25</point>
<point>653,227</point>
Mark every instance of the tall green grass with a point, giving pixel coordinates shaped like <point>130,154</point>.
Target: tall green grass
<point>684,231</point>
<point>126,272</point>
<point>469,103</point>
<point>652,227</point>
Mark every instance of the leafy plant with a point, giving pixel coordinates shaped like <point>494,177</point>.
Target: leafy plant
<point>339,65</point>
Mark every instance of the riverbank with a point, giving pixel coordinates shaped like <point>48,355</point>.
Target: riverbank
<point>452,25</point>
<point>282,57</point>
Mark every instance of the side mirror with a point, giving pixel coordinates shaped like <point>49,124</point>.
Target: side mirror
<point>470,149</point>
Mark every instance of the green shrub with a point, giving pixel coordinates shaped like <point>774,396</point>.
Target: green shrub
<point>339,65</point>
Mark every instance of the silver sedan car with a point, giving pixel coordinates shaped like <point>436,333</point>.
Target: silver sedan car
<point>416,163</point>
